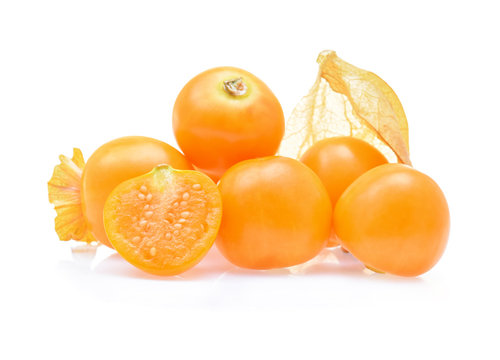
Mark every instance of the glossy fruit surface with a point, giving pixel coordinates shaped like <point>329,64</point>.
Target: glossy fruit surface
<point>338,161</point>
<point>163,222</point>
<point>225,115</point>
<point>394,219</point>
<point>276,213</point>
<point>115,162</point>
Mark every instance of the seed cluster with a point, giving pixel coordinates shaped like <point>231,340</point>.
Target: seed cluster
<point>177,222</point>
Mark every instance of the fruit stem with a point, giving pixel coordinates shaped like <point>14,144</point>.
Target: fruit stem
<point>235,87</point>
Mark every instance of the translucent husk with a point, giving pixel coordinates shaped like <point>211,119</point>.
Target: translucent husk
<point>64,193</point>
<point>348,101</point>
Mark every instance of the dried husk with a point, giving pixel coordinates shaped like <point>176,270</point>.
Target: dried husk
<point>64,193</point>
<point>348,101</point>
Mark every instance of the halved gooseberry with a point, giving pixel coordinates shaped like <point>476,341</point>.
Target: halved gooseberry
<point>165,221</point>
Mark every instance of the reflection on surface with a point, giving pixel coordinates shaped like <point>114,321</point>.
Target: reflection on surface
<point>330,261</point>
<point>84,254</point>
<point>212,265</point>
<point>333,278</point>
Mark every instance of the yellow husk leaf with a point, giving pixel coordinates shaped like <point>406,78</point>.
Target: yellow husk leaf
<point>348,101</point>
<point>64,193</point>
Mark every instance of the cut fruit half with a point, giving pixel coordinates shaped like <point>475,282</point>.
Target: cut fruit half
<point>165,221</point>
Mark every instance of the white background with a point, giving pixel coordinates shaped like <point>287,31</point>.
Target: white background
<point>78,74</point>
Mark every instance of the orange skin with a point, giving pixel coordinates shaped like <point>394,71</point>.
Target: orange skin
<point>164,222</point>
<point>216,130</point>
<point>338,161</point>
<point>115,162</point>
<point>276,213</point>
<point>394,219</point>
